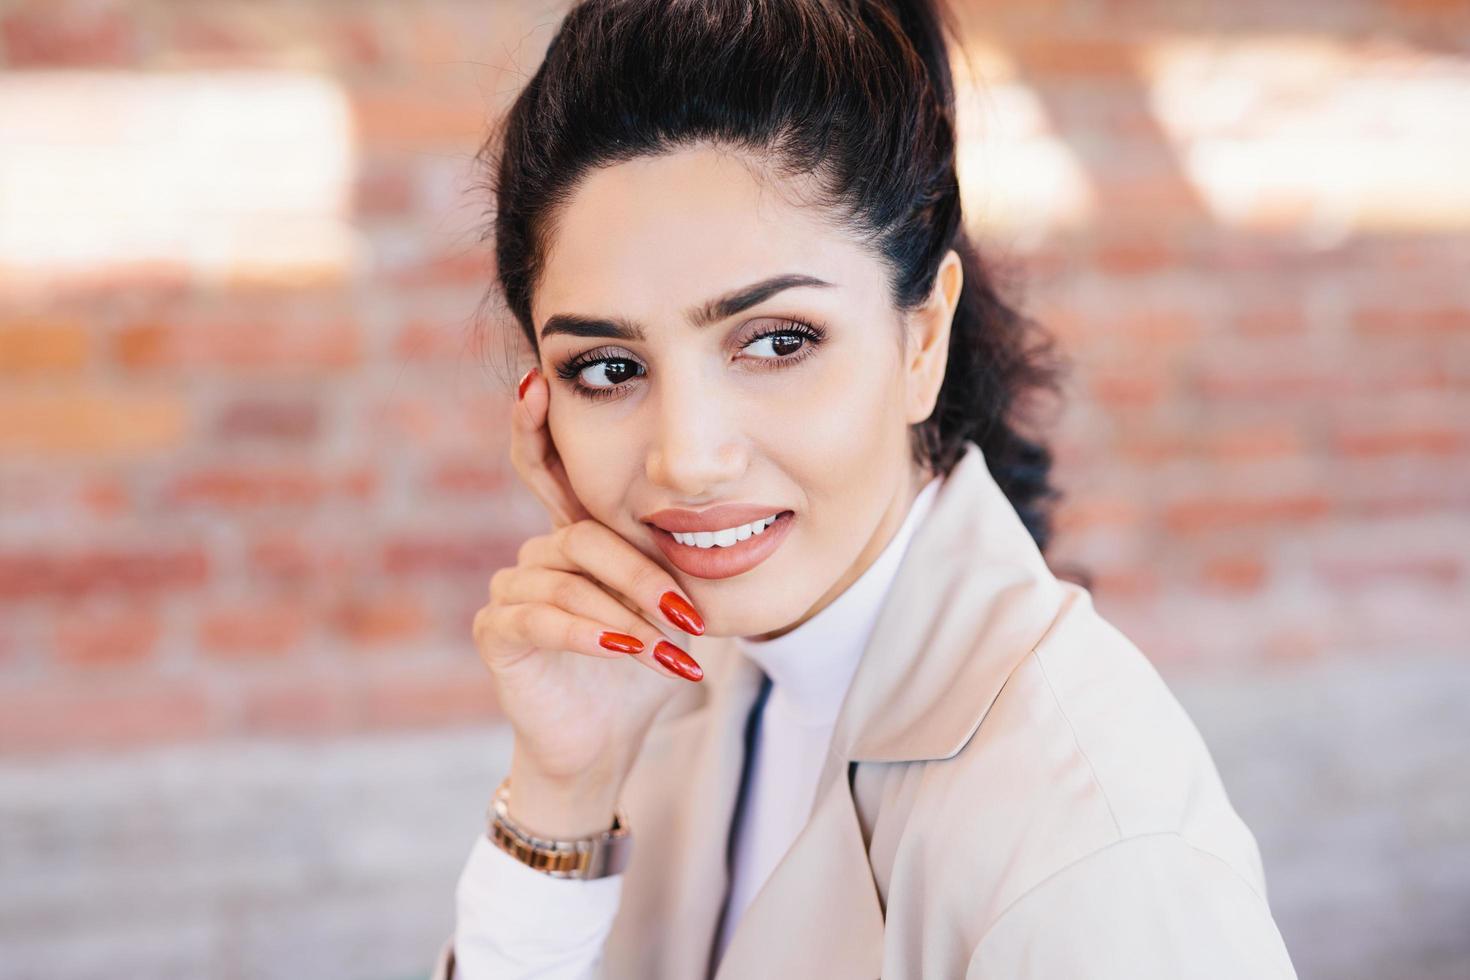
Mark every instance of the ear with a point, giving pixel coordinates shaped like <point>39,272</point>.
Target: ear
<point>927,350</point>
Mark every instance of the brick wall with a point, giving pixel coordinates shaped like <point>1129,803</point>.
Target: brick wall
<point>252,476</point>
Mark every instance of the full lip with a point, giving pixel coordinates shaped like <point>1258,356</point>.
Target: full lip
<point>715,518</point>
<point>718,562</point>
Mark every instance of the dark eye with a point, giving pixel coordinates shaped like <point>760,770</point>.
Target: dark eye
<point>613,370</point>
<point>781,344</point>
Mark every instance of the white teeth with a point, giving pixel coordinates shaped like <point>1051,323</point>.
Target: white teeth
<point>725,538</point>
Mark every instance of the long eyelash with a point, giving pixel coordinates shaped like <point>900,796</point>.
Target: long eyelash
<point>571,368</point>
<point>801,328</point>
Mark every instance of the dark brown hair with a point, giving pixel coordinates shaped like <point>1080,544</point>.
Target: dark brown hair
<point>854,95</point>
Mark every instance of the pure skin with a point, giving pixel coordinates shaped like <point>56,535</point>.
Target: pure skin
<point>747,408</point>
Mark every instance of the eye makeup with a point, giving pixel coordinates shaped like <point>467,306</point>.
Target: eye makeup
<point>615,362</point>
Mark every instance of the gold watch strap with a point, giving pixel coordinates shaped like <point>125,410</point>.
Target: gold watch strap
<point>596,856</point>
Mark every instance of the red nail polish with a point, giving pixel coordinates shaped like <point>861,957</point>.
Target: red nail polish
<point>621,642</point>
<point>524,384</point>
<point>680,613</point>
<point>677,660</point>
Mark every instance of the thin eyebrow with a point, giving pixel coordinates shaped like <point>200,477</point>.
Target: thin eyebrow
<point>713,311</point>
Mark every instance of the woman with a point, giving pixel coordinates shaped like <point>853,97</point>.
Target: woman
<point>775,417</point>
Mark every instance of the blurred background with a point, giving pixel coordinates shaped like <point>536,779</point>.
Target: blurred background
<point>253,485</point>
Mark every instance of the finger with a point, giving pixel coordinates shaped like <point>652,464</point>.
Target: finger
<point>534,455</point>
<point>581,596</point>
<point>611,560</point>
<point>547,627</point>
<point>574,592</point>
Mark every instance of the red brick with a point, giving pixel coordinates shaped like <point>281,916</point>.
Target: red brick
<point>111,636</point>
<point>247,487</point>
<point>1124,389</point>
<point>1135,257</point>
<point>305,705</point>
<point>1052,56</point>
<point>1376,503</point>
<point>63,715</point>
<point>1449,12</point>
<point>1085,512</point>
<point>383,192</point>
<point>380,619</point>
<point>232,346</point>
<point>424,341</point>
<point>51,35</point>
<point>355,39</point>
<point>1424,441</point>
<point>1276,382</point>
<point>138,569</point>
<point>1443,571</point>
<point>1246,442</point>
<point>1124,581</point>
<point>292,420</point>
<point>465,477</point>
<point>250,629</point>
<point>1147,202</point>
<point>1152,328</point>
<point>470,266</point>
<point>1212,513</point>
<point>419,701</point>
<point>212,35</point>
<point>1268,321</point>
<point>80,421</point>
<point>202,34</point>
<point>1401,321</point>
<point>285,557</point>
<point>448,554</point>
<point>1237,573</point>
<point>418,117</point>
<point>43,347</point>
<point>1293,644</point>
<point>106,497</point>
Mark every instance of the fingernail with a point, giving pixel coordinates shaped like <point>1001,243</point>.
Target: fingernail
<point>680,612</point>
<point>524,384</point>
<point>677,660</point>
<point>621,642</point>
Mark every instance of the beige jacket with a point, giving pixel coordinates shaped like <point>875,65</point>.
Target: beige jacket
<point>1012,792</point>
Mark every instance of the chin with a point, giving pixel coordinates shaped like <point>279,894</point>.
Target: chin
<point>737,617</point>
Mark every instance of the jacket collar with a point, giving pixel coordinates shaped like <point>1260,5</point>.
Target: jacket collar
<point>972,595</point>
<point>971,598</point>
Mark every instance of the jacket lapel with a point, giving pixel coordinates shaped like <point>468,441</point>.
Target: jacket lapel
<point>970,599</point>
<point>707,789</point>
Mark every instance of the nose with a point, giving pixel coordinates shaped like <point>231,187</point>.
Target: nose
<point>694,451</point>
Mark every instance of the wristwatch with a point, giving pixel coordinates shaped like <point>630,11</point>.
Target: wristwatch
<point>597,856</point>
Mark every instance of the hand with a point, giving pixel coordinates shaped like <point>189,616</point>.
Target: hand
<point>534,455</point>
<point>554,629</point>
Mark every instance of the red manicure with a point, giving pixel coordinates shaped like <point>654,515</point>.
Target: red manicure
<point>677,660</point>
<point>680,612</point>
<point>621,642</point>
<point>524,384</point>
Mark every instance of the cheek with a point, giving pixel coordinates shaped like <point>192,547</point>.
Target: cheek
<point>842,407</point>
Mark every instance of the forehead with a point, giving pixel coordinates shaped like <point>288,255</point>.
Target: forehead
<point>652,237</point>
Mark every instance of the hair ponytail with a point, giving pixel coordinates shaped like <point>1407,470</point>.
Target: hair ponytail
<point>857,93</point>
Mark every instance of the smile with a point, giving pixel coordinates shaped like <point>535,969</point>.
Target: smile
<point>726,552</point>
<point>726,538</point>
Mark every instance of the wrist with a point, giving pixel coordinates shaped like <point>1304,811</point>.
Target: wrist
<point>561,809</point>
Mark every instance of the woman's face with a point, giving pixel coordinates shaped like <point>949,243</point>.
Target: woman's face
<point>799,402</point>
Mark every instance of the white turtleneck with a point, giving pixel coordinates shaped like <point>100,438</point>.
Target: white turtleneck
<point>514,921</point>
<point>810,669</point>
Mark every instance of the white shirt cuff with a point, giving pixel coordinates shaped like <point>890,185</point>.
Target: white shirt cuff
<point>515,921</point>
